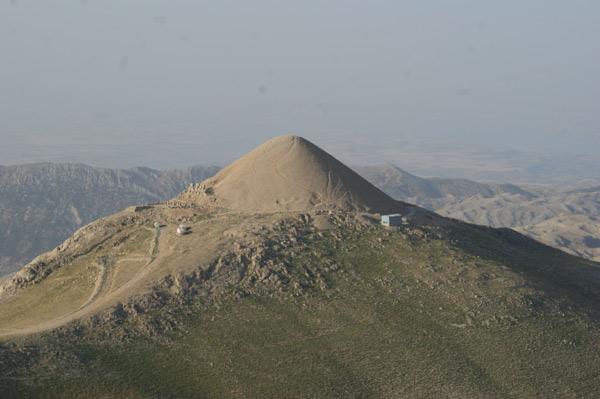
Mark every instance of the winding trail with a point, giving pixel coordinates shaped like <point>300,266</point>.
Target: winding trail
<point>100,283</point>
<point>95,297</point>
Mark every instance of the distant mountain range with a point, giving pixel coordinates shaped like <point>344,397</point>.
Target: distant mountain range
<point>567,219</point>
<point>43,204</point>
<point>432,192</point>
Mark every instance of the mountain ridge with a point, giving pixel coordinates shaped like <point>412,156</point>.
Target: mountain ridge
<point>318,302</point>
<point>76,201</point>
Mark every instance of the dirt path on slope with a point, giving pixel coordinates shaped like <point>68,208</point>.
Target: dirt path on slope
<point>100,283</point>
<point>95,301</point>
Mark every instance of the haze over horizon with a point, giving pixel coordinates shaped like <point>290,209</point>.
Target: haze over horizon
<point>169,84</point>
<point>315,199</point>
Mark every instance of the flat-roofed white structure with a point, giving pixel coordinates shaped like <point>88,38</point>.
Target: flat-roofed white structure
<point>395,219</point>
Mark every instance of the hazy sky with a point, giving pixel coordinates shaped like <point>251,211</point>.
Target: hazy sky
<point>173,83</point>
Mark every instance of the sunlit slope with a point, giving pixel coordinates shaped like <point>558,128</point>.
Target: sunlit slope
<point>289,173</point>
<point>359,311</point>
<point>127,254</point>
<point>69,282</point>
<point>117,259</point>
<point>42,204</point>
<point>308,297</point>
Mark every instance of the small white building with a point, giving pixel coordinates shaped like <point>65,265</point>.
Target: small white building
<point>395,219</point>
<point>183,230</point>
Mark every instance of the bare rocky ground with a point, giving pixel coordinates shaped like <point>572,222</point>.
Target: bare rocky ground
<point>288,287</point>
<point>387,304</point>
<point>43,204</point>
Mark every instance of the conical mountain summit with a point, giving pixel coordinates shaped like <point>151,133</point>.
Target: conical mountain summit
<point>289,173</point>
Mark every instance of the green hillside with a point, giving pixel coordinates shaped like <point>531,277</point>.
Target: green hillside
<point>358,311</point>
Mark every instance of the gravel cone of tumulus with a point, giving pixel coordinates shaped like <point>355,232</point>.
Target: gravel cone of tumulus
<point>289,173</point>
